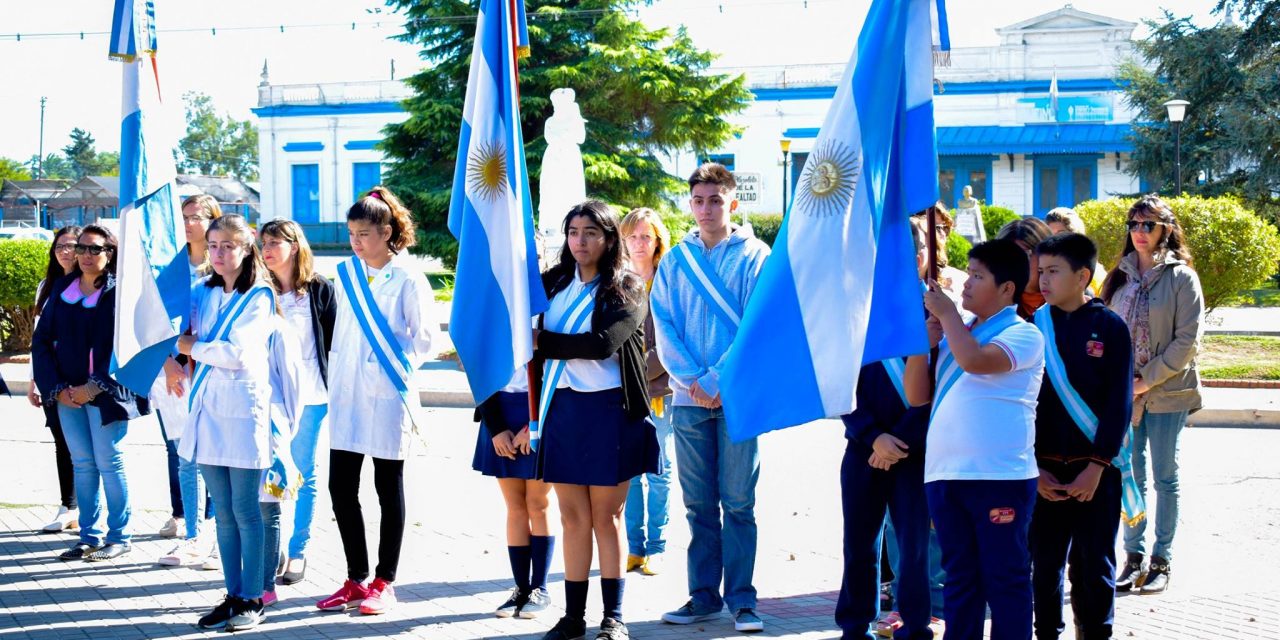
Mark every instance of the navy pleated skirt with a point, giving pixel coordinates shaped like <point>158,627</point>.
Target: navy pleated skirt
<point>589,440</point>
<point>515,410</point>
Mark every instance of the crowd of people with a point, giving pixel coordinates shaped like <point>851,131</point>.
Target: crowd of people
<point>974,480</point>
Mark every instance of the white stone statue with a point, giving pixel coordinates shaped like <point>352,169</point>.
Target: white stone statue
<point>562,184</point>
<point>968,217</point>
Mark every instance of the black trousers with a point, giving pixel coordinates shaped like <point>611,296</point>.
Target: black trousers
<point>344,489</point>
<point>66,473</point>
<point>1079,537</point>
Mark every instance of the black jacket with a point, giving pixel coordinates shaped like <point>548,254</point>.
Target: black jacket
<point>880,410</point>
<point>324,311</point>
<point>616,327</point>
<point>64,339</point>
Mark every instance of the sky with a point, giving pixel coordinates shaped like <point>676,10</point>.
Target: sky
<point>319,44</point>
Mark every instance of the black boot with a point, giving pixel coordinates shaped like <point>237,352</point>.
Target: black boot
<point>1157,579</point>
<point>1130,573</point>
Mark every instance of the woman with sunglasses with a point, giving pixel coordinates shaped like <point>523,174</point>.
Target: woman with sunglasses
<point>71,353</point>
<point>1158,294</point>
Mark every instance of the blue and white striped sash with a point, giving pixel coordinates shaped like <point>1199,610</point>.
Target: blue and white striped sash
<point>949,370</point>
<point>897,371</point>
<point>708,284</point>
<point>382,341</point>
<point>579,313</point>
<point>221,329</point>
<point>1132,502</point>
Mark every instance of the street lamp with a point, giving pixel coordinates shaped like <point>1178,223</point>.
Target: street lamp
<point>1177,110</point>
<point>786,153</point>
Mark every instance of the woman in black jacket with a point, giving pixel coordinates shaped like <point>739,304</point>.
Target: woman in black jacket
<point>306,299</point>
<point>595,435</point>
<point>71,355</point>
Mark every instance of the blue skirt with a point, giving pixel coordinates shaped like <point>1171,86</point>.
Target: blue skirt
<point>515,410</point>
<point>589,440</point>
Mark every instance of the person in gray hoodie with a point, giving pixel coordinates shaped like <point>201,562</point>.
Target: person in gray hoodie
<point>698,296</point>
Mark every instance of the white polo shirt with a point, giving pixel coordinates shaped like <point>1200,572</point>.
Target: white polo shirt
<point>581,374</point>
<point>984,428</point>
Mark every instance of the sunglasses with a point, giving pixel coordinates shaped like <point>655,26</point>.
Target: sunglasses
<point>1146,225</point>
<point>91,249</point>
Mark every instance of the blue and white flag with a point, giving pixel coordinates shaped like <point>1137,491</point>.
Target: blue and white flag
<point>153,284</point>
<point>841,287</point>
<point>498,289</point>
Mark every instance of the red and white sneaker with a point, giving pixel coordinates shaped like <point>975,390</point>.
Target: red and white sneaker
<point>352,594</point>
<point>379,598</point>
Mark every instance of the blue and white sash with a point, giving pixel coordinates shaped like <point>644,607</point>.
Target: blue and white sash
<point>221,329</point>
<point>897,371</point>
<point>1132,503</point>
<point>949,370</point>
<point>708,284</point>
<point>382,341</point>
<point>578,313</point>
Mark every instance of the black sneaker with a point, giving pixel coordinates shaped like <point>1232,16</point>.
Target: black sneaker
<point>218,618</point>
<point>611,629</point>
<point>536,602</point>
<point>1131,575</point>
<point>248,614</point>
<point>513,603</point>
<point>78,552</point>
<point>567,629</point>
<point>1157,579</point>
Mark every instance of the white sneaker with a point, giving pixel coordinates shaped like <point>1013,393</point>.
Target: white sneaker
<point>66,519</point>
<point>212,562</point>
<point>191,551</point>
<point>171,528</point>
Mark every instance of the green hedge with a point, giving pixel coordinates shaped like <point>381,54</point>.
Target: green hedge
<point>958,251</point>
<point>766,226</point>
<point>1232,248</point>
<point>993,218</point>
<point>22,265</point>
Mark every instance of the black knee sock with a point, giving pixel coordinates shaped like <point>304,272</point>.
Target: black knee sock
<point>611,596</point>
<point>542,548</point>
<point>520,559</point>
<point>575,599</point>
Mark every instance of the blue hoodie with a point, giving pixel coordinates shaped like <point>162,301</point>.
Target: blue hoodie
<point>692,341</point>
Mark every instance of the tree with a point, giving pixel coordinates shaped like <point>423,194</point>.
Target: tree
<point>85,159</point>
<point>643,92</point>
<point>217,145</point>
<point>1231,76</point>
<point>13,170</point>
<point>55,167</point>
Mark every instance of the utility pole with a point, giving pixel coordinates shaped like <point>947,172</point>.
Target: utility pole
<point>40,158</point>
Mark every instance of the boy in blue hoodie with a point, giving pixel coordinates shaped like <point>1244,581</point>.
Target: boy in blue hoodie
<point>697,300</point>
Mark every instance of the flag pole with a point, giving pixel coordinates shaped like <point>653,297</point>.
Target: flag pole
<point>931,244</point>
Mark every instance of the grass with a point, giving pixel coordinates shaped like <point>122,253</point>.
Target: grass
<point>1240,358</point>
<point>1267,295</point>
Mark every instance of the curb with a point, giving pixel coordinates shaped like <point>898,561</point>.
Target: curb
<point>441,398</point>
<point>1234,419</point>
<point>1241,384</point>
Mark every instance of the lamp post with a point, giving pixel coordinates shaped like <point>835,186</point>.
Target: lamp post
<point>1177,110</point>
<point>786,153</point>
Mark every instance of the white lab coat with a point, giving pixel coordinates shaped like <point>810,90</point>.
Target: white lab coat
<point>229,421</point>
<point>366,412</point>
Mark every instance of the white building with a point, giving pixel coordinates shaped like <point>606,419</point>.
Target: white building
<point>997,130</point>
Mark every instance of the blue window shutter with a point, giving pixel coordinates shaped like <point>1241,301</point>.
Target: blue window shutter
<point>306,193</point>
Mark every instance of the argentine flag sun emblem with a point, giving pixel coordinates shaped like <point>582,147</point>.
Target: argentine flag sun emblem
<point>487,171</point>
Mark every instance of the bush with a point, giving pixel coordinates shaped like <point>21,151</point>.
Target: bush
<point>22,266</point>
<point>678,223</point>
<point>766,226</point>
<point>958,251</point>
<point>993,218</point>
<point>1232,248</point>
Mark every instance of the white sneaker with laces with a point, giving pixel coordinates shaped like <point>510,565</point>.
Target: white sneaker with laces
<point>171,528</point>
<point>66,519</point>
<point>187,552</point>
<point>212,562</point>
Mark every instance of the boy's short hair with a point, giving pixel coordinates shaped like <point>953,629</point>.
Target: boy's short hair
<point>1006,261</point>
<point>713,173</point>
<point>1077,249</point>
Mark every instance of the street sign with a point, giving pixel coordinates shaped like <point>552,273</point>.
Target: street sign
<point>750,190</point>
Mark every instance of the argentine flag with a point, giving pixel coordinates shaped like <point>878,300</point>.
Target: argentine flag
<point>841,288</point>
<point>152,282</point>
<point>498,289</point>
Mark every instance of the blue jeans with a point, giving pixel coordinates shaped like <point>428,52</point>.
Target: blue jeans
<point>659,488</point>
<point>304,455</point>
<point>186,486</point>
<point>98,461</point>
<point>175,476</point>
<point>241,533</point>
<point>271,543</point>
<point>716,472</point>
<point>1162,431</point>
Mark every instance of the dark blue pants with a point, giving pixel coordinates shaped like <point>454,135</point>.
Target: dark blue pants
<point>982,529</point>
<point>1081,536</point>
<point>866,493</point>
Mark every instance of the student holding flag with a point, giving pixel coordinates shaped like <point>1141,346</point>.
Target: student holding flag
<point>1082,443</point>
<point>697,299</point>
<point>228,429</point>
<point>382,333</point>
<point>593,433</point>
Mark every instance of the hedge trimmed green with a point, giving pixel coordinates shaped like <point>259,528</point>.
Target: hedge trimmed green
<point>958,251</point>
<point>22,266</point>
<point>993,218</point>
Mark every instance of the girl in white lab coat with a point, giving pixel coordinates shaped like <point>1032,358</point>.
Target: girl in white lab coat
<point>228,429</point>
<point>382,334</point>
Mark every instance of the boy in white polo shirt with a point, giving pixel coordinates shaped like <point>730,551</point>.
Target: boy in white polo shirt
<point>980,465</point>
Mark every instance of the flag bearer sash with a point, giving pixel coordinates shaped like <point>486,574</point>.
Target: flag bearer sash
<point>578,314</point>
<point>1132,504</point>
<point>897,370</point>
<point>221,330</point>
<point>949,370</point>
<point>708,284</point>
<point>386,349</point>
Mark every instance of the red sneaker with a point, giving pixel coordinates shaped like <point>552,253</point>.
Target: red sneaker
<point>352,594</point>
<point>379,598</point>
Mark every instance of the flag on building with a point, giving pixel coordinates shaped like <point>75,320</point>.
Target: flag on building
<point>152,283</point>
<point>841,287</point>
<point>1053,97</point>
<point>498,289</point>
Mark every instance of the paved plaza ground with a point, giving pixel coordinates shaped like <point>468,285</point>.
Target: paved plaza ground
<point>454,569</point>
